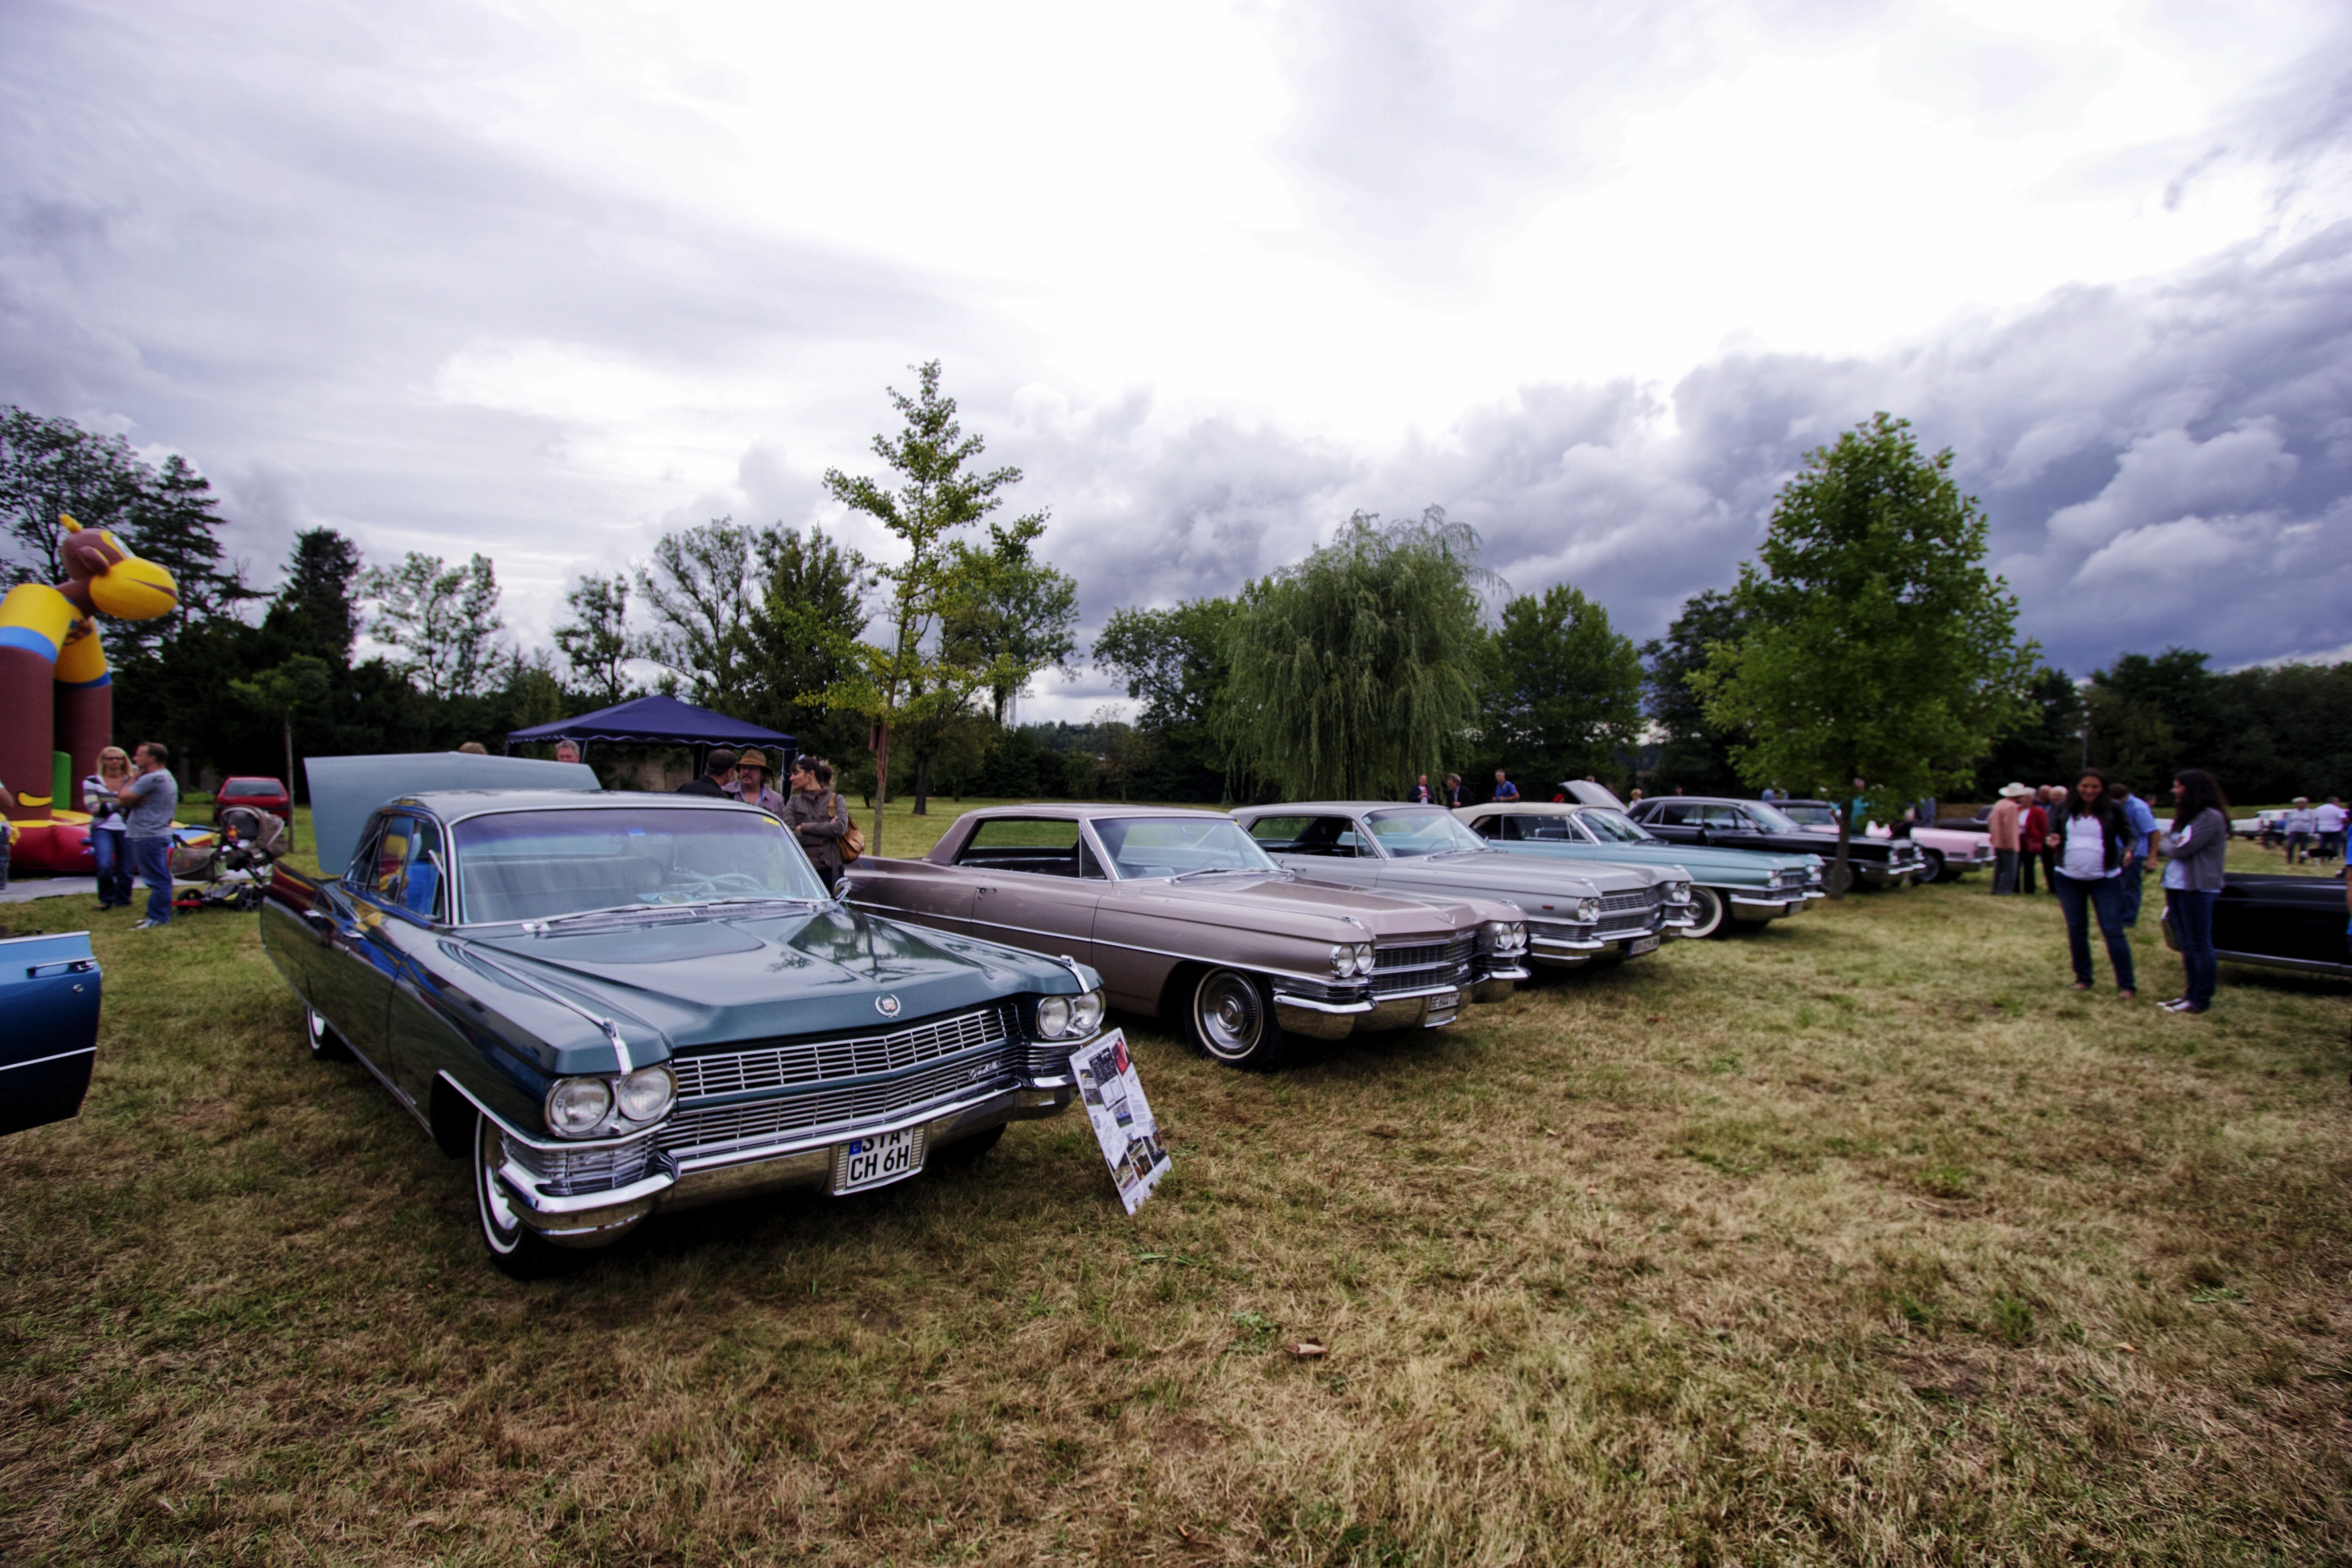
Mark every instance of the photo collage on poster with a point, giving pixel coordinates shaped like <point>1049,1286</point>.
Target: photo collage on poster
<point>1122,1119</point>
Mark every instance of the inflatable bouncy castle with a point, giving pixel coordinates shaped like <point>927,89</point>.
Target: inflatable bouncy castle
<point>56,702</point>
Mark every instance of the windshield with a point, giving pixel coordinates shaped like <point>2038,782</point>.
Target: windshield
<point>1405,834</point>
<point>1811,815</point>
<point>1613,827</point>
<point>1173,846</point>
<point>533,864</point>
<point>1770,818</point>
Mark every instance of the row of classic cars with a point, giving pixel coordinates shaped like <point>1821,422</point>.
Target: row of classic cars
<point>613,1004</point>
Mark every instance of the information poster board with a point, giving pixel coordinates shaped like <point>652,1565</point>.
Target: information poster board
<point>1122,1118</point>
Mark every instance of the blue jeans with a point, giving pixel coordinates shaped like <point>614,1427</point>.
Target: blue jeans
<point>108,846</point>
<point>153,859</point>
<point>2078,897</point>
<point>2135,881</point>
<point>2192,928</point>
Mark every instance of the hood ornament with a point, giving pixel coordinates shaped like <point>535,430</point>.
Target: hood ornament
<point>888,1005</point>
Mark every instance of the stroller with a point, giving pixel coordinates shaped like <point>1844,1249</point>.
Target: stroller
<point>236,868</point>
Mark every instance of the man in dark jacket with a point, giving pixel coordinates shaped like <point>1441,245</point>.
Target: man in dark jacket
<point>1420,794</point>
<point>718,772</point>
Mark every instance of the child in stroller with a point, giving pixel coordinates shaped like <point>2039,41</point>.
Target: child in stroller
<point>237,874</point>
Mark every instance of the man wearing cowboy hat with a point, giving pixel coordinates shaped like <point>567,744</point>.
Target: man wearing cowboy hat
<point>2006,839</point>
<point>751,785</point>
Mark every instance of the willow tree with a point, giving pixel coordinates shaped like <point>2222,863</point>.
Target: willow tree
<point>1874,644</point>
<point>1358,667</point>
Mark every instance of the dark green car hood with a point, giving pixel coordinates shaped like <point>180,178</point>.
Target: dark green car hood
<point>713,980</point>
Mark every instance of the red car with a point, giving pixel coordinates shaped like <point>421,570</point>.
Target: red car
<point>261,794</point>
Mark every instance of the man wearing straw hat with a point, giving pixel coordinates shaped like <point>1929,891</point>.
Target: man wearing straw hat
<point>751,785</point>
<point>2006,836</point>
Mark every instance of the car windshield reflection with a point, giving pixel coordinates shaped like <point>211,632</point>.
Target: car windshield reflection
<point>1199,845</point>
<point>1408,834</point>
<point>1613,827</point>
<point>538,864</point>
<point>1770,818</point>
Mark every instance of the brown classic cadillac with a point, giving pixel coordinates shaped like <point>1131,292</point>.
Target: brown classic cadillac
<point>1185,918</point>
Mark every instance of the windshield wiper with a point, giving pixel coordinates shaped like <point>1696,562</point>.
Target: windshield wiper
<point>1223,872</point>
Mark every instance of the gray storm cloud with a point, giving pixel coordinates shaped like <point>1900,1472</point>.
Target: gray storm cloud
<point>235,252</point>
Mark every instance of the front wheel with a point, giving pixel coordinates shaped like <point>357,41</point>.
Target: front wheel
<point>1709,913</point>
<point>326,1046</point>
<point>517,1251</point>
<point>1230,1018</point>
<point>1932,865</point>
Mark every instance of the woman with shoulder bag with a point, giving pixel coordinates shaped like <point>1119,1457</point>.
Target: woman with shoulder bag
<point>2093,837</point>
<point>818,817</point>
<point>2193,853</point>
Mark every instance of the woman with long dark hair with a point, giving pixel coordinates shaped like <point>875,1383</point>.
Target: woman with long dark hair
<point>2193,853</point>
<point>2093,837</point>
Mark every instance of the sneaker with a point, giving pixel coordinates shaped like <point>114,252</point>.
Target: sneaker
<point>149,925</point>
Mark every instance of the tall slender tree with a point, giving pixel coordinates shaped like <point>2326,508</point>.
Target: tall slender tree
<point>939,492</point>
<point>596,643</point>
<point>699,591</point>
<point>441,621</point>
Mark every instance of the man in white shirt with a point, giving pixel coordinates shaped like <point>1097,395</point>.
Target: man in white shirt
<point>2331,819</point>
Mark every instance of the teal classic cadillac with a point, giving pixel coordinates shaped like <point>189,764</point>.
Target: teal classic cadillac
<point>611,1005</point>
<point>1746,885</point>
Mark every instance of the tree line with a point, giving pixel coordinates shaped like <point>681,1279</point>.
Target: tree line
<point>1866,639</point>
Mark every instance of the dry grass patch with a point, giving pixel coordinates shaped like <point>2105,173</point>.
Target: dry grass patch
<point>1861,1239</point>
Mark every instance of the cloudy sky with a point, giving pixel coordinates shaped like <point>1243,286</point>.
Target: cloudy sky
<point>545,279</point>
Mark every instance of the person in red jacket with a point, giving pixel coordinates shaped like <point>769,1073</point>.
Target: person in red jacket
<point>2032,838</point>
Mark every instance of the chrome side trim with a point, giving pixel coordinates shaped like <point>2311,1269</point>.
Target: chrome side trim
<point>61,1056</point>
<point>2307,965</point>
<point>1286,999</point>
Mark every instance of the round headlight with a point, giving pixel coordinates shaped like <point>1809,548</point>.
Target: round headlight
<point>1053,1017</point>
<point>1087,1013</point>
<point>1363,958</point>
<point>576,1107</point>
<point>1678,892</point>
<point>1343,960</point>
<point>1588,911</point>
<point>1519,936</point>
<point>646,1094</point>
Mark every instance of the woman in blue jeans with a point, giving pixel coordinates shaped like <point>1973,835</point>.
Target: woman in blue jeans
<point>2092,835</point>
<point>2193,853</point>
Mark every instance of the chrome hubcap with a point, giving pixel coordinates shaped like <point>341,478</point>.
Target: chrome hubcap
<point>1230,1015</point>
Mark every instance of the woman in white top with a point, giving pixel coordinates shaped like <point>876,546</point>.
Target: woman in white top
<point>2093,836</point>
<point>106,827</point>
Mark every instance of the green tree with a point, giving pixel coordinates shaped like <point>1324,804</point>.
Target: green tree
<point>1877,647</point>
<point>904,678</point>
<point>810,604</point>
<point>1013,611</point>
<point>53,466</point>
<point>1357,667</point>
<point>441,621</point>
<point>2047,748</point>
<point>1692,752</point>
<point>596,643</point>
<point>1174,661</point>
<point>699,591</point>
<point>317,605</point>
<point>281,692</point>
<point>1565,699</point>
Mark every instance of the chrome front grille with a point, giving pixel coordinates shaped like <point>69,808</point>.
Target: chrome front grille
<point>567,1173</point>
<point>826,1061</point>
<point>1423,964</point>
<point>703,1129</point>
<point>1631,914</point>
<point>1619,903</point>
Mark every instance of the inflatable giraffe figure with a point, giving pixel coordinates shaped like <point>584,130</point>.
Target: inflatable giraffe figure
<point>55,694</point>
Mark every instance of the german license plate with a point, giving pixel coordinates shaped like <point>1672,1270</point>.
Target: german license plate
<point>1640,945</point>
<point>877,1161</point>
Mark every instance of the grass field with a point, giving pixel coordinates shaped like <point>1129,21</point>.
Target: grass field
<point>1860,1239</point>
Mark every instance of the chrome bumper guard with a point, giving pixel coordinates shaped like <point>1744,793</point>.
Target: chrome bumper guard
<point>1430,1007</point>
<point>1744,908</point>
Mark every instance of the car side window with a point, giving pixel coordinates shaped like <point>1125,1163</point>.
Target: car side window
<point>1332,837</point>
<point>1492,828</point>
<point>1546,830</point>
<point>1043,846</point>
<point>389,864</point>
<point>1277,835</point>
<point>363,858</point>
<point>1727,818</point>
<point>1674,814</point>
<point>423,891</point>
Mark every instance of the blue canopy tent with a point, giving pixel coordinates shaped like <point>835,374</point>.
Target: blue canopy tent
<point>659,721</point>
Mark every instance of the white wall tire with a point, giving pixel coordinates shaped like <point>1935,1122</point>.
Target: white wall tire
<point>516,1250</point>
<point>1933,868</point>
<point>1710,913</point>
<point>1230,1018</point>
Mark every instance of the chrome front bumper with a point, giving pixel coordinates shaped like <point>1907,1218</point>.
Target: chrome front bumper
<point>1312,1018</point>
<point>675,1182</point>
<point>1755,909</point>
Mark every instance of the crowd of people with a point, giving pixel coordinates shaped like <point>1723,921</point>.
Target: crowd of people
<point>813,809</point>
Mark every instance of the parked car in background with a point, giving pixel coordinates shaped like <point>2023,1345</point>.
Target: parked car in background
<point>1947,852</point>
<point>2267,827</point>
<point>2279,921</point>
<point>1748,885</point>
<point>1574,913</point>
<point>260,793</point>
<point>49,991</point>
<point>611,1005</point>
<point>1188,920</point>
<point>1757,825</point>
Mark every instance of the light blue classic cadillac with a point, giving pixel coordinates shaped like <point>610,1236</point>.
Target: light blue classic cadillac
<point>1746,885</point>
